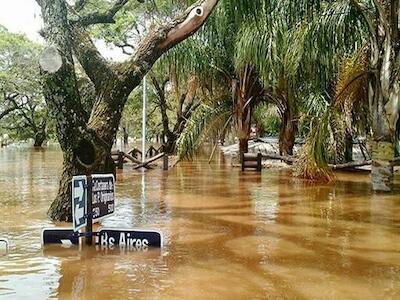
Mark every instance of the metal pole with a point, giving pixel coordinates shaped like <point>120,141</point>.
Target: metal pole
<point>144,120</point>
<point>89,212</point>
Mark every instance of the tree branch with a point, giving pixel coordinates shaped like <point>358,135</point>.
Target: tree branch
<point>59,81</point>
<point>15,105</point>
<point>7,112</point>
<point>162,103</point>
<point>165,37</point>
<point>94,64</point>
<point>79,5</point>
<point>102,17</point>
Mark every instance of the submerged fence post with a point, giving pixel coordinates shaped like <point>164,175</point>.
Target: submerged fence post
<point>165,162</point>
<point>120,160</point>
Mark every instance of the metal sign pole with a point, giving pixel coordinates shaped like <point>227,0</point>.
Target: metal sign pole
<point>89,211</point>
<point>144,120</point>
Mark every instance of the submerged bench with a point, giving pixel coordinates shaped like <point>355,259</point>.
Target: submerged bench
<point>251,161</point>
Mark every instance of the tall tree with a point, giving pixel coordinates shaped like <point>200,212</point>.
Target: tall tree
<point>86,143</point>
<point>22,105</point>
<point>383,28</point>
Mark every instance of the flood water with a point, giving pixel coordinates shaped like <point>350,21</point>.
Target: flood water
<point>227,235</point>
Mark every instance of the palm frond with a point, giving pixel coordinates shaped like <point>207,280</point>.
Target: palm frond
<point>314,156</point>
<point>204,121</point>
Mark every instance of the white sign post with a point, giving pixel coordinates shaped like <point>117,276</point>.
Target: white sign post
<point>79,202</point>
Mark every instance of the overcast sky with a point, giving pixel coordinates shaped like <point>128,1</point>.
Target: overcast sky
<point>23,16</point>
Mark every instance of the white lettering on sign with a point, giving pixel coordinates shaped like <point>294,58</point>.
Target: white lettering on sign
<point>96,212</point>
<point>103,186</point>
<point>103,196</point>
<point>125,241</point>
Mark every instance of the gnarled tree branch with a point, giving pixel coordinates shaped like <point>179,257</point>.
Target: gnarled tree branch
<point>80,4</point>
<point>94,64</point>
<point>165,37</point>
<point>102,17</point>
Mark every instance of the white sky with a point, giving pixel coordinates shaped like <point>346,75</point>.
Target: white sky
<point>23,16</point>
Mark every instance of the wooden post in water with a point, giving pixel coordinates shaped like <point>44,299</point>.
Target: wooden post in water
<point>165,162</point>
<point>120,160</point>
<point>89,212</point>
<point>259,162</point>
<point>252,161</point>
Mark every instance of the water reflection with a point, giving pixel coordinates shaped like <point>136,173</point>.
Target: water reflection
<point>228,235</point>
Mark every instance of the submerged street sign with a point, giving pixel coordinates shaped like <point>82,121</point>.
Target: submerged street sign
<point>93,198</point>
<point>103,196</point>
<point>63,236</point>
<point>138,239</point>
<point>79,202</point>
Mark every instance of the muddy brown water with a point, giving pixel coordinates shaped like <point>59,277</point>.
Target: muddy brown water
<point>227,235</point>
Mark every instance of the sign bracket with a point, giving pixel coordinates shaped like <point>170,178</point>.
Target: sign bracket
<point>89,218</point>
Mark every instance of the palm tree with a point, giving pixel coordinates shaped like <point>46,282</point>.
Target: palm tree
<point>294,48</point>
<point>380,25</point>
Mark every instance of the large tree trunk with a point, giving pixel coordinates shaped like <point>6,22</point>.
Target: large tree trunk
<point>39,139</point>
<point>383,143</point>
<point>60,208</point>
<point>86,144</point>
<point>89,152</point>
<point>287,133</point>
<point>384,92</point>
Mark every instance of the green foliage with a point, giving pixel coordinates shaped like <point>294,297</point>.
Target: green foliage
<point>267,116</point>
<point>315,154</point>
<point>18,62</point>
<point>20,87</point>
<point>203,122</point>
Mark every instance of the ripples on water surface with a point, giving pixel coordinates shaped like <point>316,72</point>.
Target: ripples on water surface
<point>227,236</point>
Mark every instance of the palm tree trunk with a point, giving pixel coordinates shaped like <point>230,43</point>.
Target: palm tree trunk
<point>287,133</point>
<point>398,139</point>
<point>243,145</point>
<point>384,124</point>
<point>382,166</point>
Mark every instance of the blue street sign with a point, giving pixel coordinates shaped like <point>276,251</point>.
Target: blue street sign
<point>129,238</point>
<point>79,201</point>
<point>64,236</point>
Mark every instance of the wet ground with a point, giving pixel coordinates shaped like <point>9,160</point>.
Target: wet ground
<point>228,235</point>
